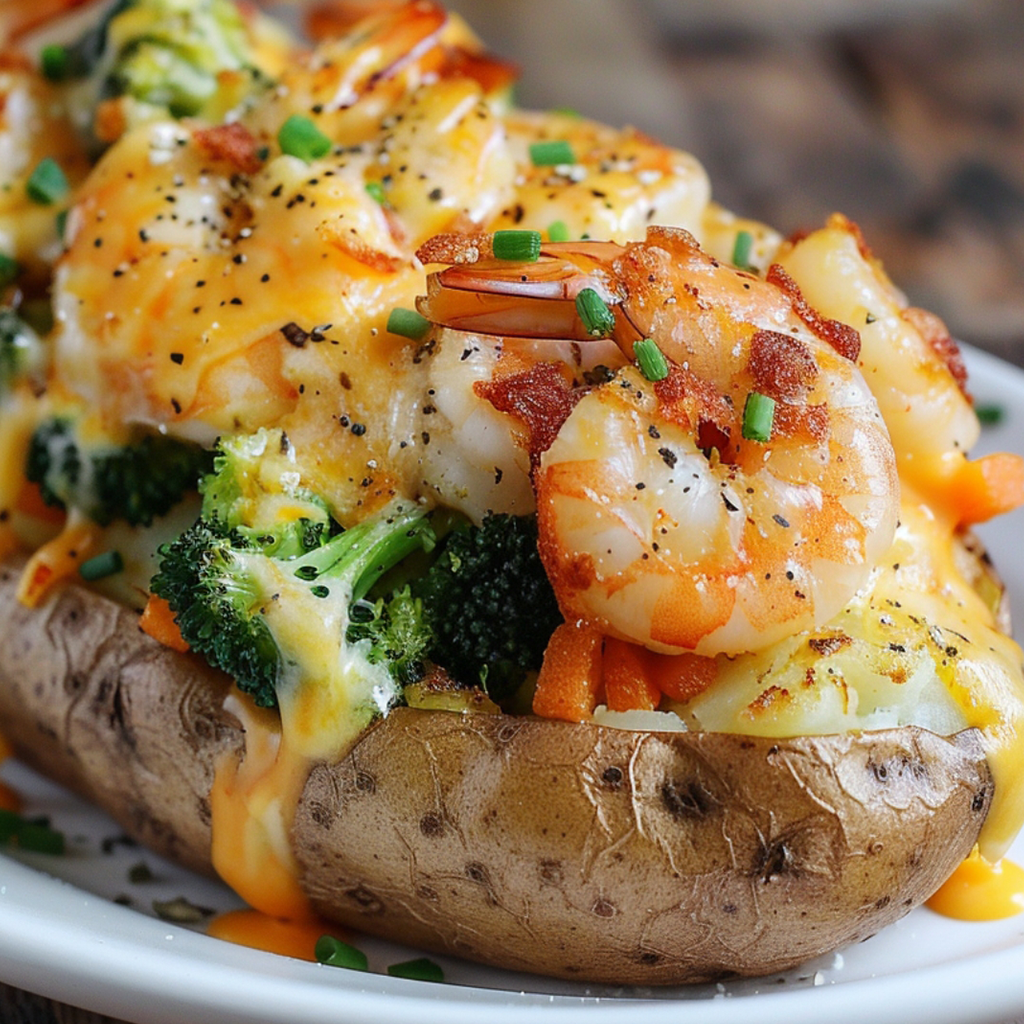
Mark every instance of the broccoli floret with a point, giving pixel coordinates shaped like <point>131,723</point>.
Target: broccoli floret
<point>489,603</point>
<point>264,577</point>
<point>22,353</point>
<point>166,54</point>
<point>135,482</point>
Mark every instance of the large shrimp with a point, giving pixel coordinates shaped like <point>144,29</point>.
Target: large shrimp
<point>659,521</point>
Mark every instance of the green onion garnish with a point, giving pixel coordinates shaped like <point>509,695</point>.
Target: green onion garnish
<point>54,62</point>
<point>989,415</point>
<point>375,190</point>
<point>61,221</point>
<point>298,136</point>
<point>598,319</point>
<point>558,231</point>
<point>181,911</point>
<point>34,836</point>
<point>407,323</point>
<point>653,364</point>
<point>551,152</point>
<point>741,250</point>
<point>418,970</point>
<point>335,953</point>
<point>9,270</point>
<point>109,563</point>
<point>758,416</point>
<point>513,244</point>
<point>47,184</point>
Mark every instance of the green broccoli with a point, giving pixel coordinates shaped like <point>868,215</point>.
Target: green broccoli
<point>165,54</point>
<point>269,589</point>
<point>22,352</point>
<point>490,606</point>
<point>135,482</point>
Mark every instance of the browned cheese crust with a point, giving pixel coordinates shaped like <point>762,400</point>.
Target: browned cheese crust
<point>570,850</point>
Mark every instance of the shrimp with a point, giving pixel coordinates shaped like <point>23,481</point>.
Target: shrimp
<point>659,521</point>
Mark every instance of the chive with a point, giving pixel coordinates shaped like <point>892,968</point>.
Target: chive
<point>54,62</point>
<point>61,221</point>
<point>407,323</point>
<point>551,152</point>
<point>181,911</point>
<point>298,136</point>
<point>376,192</point>
<point>335,953</point>
<point>741,250</point>
<point>558,231</point>
<point>990,415</point>
<point>9,270</point>
<point>653,364</point>
<point>598,319</point>
<point>758,416</point>
<point>139,873</point>
<point>33,836</point>
<point>522,246</point>
<point>47,184</point>
<point>417,970</point>
<point>109,563</point>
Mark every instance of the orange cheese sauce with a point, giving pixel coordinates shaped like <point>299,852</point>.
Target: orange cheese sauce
<point>9,798</point>
<point>257,930</point>
<point>981,891</point>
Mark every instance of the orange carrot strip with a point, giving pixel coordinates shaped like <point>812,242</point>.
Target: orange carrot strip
<point>682,676</point>
<point>988,486</point>
<point>157,620</point>
<point>57,561</point>
<point>569,684</point>
<point>8,542</point>
<point>30,502</point>
<point>626,669</point>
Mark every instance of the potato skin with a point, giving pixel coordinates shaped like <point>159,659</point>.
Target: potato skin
<point>570,850</point>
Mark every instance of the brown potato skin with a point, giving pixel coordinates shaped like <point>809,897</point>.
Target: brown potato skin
<point>569,850</point>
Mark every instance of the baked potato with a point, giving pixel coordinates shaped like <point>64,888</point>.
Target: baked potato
<point>601,603</point>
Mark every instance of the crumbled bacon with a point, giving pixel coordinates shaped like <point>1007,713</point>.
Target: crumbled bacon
<point>782,366</point>
<point>232,143</point>
<point>936,334</point>
<point>843,338</point>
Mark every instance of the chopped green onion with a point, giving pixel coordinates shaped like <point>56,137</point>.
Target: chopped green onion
<point>417,970</point>
<point>9,270</point>
<point>139,873</point>
<point>33,836</point>
<point>758,416</point>
<point>990,415</point>
<point>407,323</point>
<point>598,319</point>
<point>513,244</point>
<point>298,136</point>
<point>741,250</point>
<point>653,364</point>
<point>54,62</point>
<point>47,184</point>
<point>61,221</point>
<point>551,152</point>
<point>375,190</point>
<point>109,563</point>
<point>558,231</point>
<point>181,911</point>
<point>335,953</point>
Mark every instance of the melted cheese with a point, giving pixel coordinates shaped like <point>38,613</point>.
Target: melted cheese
<point>257,930</point>
<point>981,891</point>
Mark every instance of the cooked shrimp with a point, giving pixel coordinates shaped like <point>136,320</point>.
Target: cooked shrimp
<point>659,521</point>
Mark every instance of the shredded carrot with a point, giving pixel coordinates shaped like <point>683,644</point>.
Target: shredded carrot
<point>8,542</point>
<point>682,676</point>
<point>30,502</point>
<point>56,561</point>
<point>569,685</point>
<point>988,486</point>
<point>157,620</point>
<point>626,670</point>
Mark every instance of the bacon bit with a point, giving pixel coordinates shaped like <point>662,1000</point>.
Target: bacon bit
<point>110,121</point>
<point>843,223</point>
<point>232,143</point>
<point>349,243</point>
<point>936,334</point>
<point>829,645</point>
<point>695,404</point>
<point>782,366</point>
<point>488,71</point>
<point>453,248</point>
<point>766,700</point>
<point>843,338</point>
<point>626,671</point>
<point>540,398</point>
<point>569,685</point>
<point>807,421</point>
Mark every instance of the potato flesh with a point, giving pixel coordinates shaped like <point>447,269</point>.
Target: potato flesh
<point>571,850</point>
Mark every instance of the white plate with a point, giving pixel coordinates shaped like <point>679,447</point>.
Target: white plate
<point>62,934</point>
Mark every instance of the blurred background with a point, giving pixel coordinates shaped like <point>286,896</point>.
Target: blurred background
<point>907,115</point>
